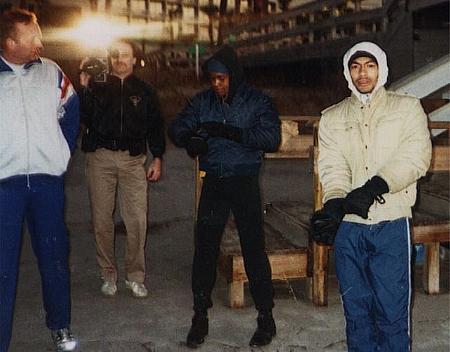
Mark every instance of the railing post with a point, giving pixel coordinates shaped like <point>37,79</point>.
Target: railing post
<point>311,32</point>
<point>197,22</point>
<point>319,252</point>
<point>129,11</point>
<point>237,7</point>
<point>164,9</point>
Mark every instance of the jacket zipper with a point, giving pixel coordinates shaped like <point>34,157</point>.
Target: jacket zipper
<point>27,131</point>
<point>121,107</point>
<point>220,102</point>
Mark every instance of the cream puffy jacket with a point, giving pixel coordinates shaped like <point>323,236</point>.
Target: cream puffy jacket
<point>387,137</point>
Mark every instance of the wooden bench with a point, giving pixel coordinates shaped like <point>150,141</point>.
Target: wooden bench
<point>288,259</point>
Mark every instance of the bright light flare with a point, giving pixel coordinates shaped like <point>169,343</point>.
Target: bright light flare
<point>99,32</point>
<point>95,33</point>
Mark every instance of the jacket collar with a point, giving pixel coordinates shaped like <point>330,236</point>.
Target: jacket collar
<point>114,78</point>
<point>5,67</point>
<point>379,95</point>
<point>238,97</point>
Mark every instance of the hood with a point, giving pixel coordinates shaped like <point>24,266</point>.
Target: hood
<point>228,57</point>
<point>383,69</point>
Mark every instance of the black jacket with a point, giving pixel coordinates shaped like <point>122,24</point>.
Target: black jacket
<point>247,108</point>
<point>122,115</point>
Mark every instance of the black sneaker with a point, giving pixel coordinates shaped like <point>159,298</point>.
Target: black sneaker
<point>198,330</point>
<point>265,331</point>
<point>64,340</point>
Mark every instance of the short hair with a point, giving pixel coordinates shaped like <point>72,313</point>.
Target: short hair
<point>8,20</point>
<point>362,53</point>
<point>133,46</point>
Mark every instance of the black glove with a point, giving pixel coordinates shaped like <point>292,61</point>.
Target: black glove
<point>360,199</point>
<point>325,222</point>
<point>196,145</point>
<point>217,129</point>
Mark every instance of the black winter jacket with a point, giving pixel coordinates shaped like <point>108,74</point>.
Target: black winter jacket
<point>247,108</point>
<point>122,115</point>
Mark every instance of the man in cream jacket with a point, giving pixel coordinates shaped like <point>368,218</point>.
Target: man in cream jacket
<point>373,147</point>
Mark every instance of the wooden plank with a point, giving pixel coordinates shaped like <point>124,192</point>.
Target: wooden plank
<point>440,158</point>
<point>431,268</point>
<point>320,275</point>
<point>238,269</point>
<point>236,294</point>
<point>298,118</point>
<point>294,144</point>
<point>288,264</point>
<point>431,233</point>
<point>300,154</point>
<point>293,147</point>
<point>439,124</point>
<point>317,186</point>
<point>430,227</point>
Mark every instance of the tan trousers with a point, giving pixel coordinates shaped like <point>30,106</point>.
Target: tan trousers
<point>107,172</point>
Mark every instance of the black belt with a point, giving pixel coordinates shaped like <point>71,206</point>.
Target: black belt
<point>114,144</point>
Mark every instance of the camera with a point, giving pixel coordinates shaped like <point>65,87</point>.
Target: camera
<point>97,68</point>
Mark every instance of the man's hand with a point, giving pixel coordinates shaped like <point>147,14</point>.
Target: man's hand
<point>84,79</point>
<point>325,222</point>
<point>154,170</point>
<point>361,199</point>
<point>217,129</point>
<point>196,145</point>
<point>84,76</point>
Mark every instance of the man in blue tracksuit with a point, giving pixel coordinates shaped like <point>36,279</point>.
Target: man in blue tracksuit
<point>39,122</point>
<point>229,127</point>
<point>373,147</point>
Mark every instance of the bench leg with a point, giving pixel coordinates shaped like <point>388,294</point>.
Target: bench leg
<point>431,268</point>
<point>236,294</point>
<point>320,275</point>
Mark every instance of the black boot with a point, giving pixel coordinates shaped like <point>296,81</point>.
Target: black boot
<point>198,330</point>
<point>265,331</point>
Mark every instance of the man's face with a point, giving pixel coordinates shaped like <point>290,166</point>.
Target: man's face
<point>364,73</point>
<point>122,59</point>
<point>25,43</point>
<point>220,83</point>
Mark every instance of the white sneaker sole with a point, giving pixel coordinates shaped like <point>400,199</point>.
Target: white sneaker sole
<point>128,284</point>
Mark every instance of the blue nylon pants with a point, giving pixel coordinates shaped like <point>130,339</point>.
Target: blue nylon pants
<point>40,201</point>
<point>373,270</point>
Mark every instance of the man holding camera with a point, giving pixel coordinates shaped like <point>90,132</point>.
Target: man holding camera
<point>122,119</point>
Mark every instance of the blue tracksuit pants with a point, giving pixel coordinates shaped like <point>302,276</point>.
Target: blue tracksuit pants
<point>373,270</point>
<point>38,199</point>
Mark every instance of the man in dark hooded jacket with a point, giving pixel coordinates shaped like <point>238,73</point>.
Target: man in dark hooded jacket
<point>229,127</point>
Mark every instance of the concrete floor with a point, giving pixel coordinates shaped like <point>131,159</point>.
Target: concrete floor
<point>160,322</point>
